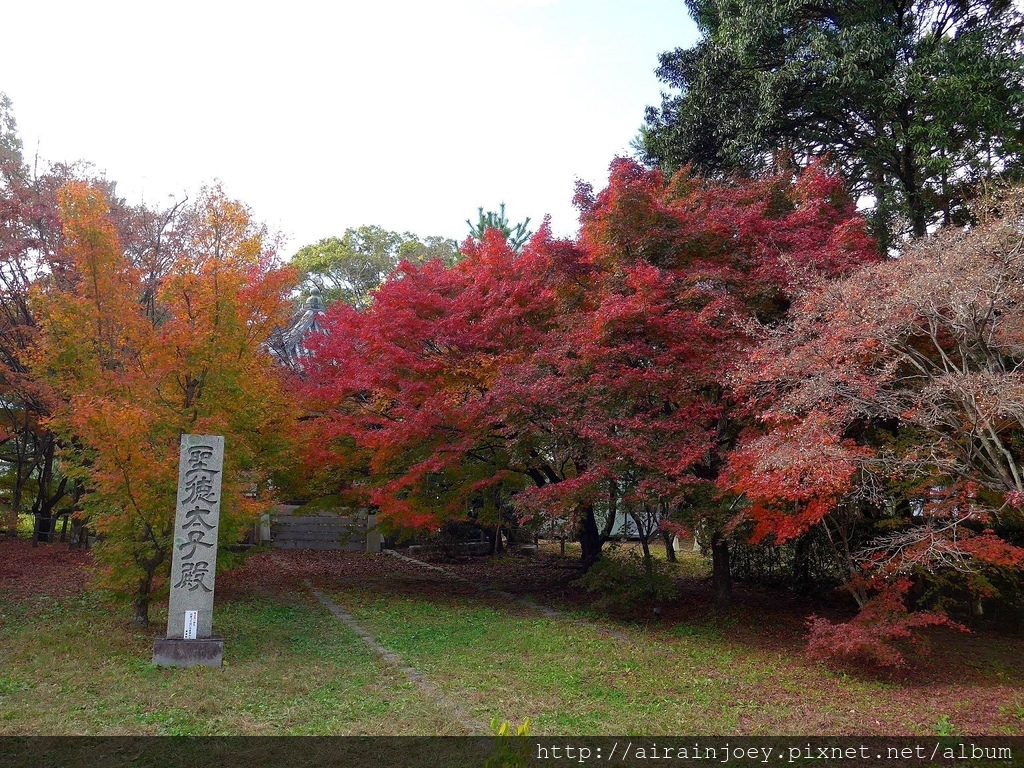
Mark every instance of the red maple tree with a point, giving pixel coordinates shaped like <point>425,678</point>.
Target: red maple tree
<point>891,414</point>
<point>582,378</point>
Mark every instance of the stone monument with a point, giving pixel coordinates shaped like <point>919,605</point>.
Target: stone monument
<point>190,640</point>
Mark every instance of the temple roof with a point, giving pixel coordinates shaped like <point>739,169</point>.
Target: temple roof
<point>307,322</point>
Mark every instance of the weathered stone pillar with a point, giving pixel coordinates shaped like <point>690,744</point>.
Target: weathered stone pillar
<point>190,639</point>
<point>374,539</point>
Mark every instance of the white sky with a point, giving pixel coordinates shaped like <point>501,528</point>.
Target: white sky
<point>326,115</point>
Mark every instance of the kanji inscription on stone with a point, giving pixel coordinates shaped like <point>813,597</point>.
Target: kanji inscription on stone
<point>194,558</point>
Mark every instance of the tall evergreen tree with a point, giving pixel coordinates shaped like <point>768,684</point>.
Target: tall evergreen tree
<point>919,102</point>
<point>515,235</point>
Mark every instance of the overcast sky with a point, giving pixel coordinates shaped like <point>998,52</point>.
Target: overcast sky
<point>324,115</point>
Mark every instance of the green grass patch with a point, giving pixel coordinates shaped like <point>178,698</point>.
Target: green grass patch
<point>575,679</point>
<point>514,667</point>
<point>289,669</point>
<point>76,666</point>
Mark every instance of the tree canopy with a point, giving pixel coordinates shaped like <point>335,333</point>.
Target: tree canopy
<point>581,377</point>
<point>130,375</point>
<point>890,414</point>
<point>918,102</point>
<point>351,267</point>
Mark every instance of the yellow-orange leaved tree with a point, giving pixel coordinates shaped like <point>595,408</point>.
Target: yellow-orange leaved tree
<point>136,370</point>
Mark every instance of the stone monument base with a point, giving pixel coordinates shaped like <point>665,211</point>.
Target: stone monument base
<point>176,652</point>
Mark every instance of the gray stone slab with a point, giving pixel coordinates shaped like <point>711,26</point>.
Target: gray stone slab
<point>176,652</point>
<point>352,546</point>
<point>194,563</point>
<point>318,524</point>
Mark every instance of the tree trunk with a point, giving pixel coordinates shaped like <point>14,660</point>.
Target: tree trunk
<point>45,503</point>
<point>79,534</point>
<point>12,519</point>
<point>645,547</point>
<point>802,563</point>
<point>720,578</point>
<point>45,527</point>
<point>140,613</point>
<point>918,214</point>
<point>915,197</point>
<point>149,565</point>
<point>645,544</point>
<point>506,522</point>
<point>590,538</point>
<point>496,546</point>
<point>670,548</point>
<point>23,469</point>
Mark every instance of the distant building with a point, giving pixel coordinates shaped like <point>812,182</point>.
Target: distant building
<point>288,345</point>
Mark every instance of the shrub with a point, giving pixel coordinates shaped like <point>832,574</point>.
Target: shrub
<point>627,583</point>
<point>453,538</point>
<point>879,635</point>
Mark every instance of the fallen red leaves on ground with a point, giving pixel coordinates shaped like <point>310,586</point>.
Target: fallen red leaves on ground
<point>51,570</point>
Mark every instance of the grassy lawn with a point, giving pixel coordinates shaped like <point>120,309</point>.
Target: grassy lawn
<point>73,666</point>
<point>571,678</point>
<point>742,672</point>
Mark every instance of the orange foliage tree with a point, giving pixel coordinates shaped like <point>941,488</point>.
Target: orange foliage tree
<point>135,368</point>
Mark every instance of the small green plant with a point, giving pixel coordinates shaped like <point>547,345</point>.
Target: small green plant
<point>943,727</point>
<point>508,753</point>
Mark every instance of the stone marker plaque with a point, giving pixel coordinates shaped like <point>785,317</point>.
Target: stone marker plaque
<point>194,558</point>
